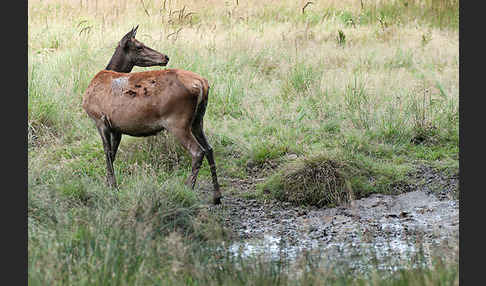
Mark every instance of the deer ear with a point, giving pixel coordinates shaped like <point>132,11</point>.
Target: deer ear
<point>127,37</point>
<point>134,31</point>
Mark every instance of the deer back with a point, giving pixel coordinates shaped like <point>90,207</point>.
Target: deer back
<point>144,103</point>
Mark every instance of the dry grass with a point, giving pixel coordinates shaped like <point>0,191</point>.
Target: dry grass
<point>317,181</point>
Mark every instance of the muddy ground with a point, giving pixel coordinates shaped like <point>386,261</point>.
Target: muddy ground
<point>387,231</point>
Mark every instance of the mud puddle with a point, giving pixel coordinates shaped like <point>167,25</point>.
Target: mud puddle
<point>384,231</point>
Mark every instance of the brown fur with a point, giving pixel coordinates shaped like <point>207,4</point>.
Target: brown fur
<point>145,103</point>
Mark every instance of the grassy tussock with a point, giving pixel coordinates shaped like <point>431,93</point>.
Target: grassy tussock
<point>316,181</point>
<point>335,178</point>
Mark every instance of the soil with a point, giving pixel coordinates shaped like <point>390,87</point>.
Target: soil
<point>387,231</point>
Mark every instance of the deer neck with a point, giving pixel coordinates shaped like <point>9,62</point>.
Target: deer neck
<point>119,62</point>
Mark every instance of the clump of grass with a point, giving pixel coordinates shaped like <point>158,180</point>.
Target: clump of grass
<point>425,134</point>
<point>302,78</point>
<point>358,104</point>
<point>317,181</point>
<point>423,127</point>
<point>393,124</point>
<point>261,152</point>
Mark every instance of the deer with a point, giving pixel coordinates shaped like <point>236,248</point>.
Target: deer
<point>145,103</point>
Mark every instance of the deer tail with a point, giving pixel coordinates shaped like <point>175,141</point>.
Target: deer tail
<point>202,101</point>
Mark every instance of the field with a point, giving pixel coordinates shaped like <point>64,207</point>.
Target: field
<point>363,92</point>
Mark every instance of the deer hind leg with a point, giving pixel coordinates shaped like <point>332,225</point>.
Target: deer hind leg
<point>197,129</point>
<point>106,138</point>
<point>186,138</point>
<point>115,138</point>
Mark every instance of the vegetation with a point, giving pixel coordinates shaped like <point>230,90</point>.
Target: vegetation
<point>314,181</point>
<point>373,85</point>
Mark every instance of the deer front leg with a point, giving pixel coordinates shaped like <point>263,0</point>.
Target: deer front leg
<point>106,138</point>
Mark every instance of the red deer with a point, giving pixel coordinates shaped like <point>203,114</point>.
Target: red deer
<point>145,103</point>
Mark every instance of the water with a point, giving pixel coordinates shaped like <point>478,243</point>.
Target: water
<point>379,232</point>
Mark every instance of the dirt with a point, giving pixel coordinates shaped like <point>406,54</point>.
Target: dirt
<point>388,231</point>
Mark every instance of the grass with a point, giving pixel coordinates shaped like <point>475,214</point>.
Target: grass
<point>373,85</point>
<point>317,181</point>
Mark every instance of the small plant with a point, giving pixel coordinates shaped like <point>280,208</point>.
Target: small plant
<point>426,38</point>
<point>341,38</point>
<point>383,20</point>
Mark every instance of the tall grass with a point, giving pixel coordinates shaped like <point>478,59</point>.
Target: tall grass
<point>374,84</point>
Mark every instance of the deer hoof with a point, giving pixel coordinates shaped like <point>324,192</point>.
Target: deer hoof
<point>217,200</point>
<point>189,183</point>
<point>111,184</point>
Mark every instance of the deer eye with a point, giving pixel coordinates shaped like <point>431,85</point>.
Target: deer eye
<point>139,48</point>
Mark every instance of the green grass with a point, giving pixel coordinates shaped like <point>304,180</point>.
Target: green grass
<point>373,87</point>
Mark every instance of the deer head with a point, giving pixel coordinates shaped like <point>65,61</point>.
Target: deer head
<point>130,52</point>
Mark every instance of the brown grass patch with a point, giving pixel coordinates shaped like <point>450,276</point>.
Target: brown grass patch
<point>317,181</point>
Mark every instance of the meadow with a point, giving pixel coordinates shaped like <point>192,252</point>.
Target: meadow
<point>370,86</point>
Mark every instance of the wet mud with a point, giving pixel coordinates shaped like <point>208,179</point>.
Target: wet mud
<point>386,231</point>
